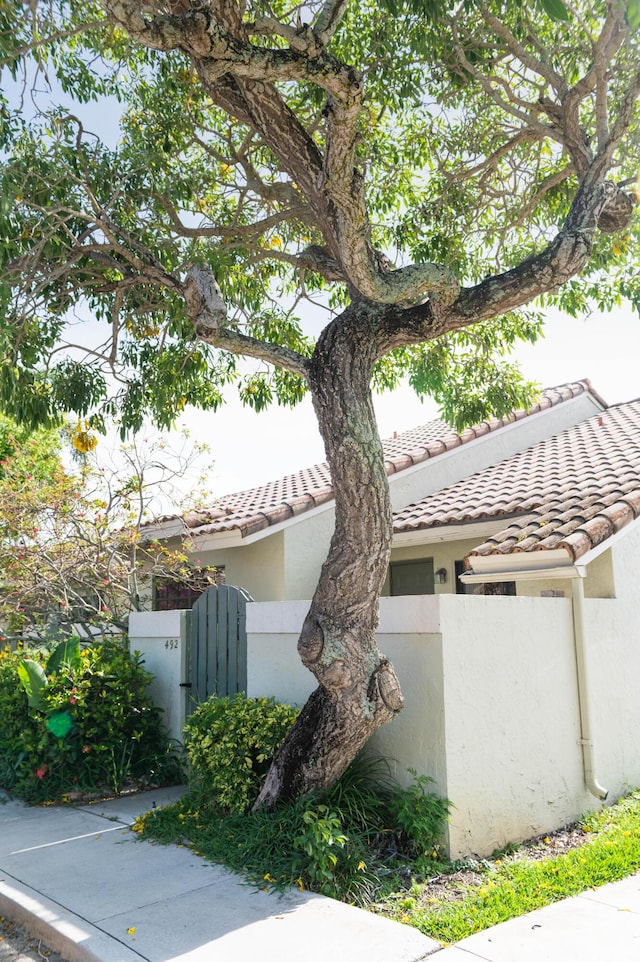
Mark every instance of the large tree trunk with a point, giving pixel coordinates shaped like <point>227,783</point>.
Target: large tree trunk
<point>358,689</point>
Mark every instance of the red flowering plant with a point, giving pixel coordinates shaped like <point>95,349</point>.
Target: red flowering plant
<point>80,721</point>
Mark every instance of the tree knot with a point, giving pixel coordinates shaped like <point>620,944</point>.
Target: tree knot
<point>617,213</point>
<point>205,304</point>
<point>384,685</point>
<point>337,676</point>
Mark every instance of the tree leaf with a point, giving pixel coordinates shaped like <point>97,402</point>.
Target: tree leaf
<point>555,9</point>
<point>633,14</point>
<point>66,653</point>
<point>34,680</point>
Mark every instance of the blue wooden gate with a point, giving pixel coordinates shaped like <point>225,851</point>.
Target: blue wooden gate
<point>218,642</point>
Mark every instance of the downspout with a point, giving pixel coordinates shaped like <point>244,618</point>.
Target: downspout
<point>577,587</point>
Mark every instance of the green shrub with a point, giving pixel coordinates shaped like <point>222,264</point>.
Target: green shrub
<point>95,729</point>
<point>230,743</point>
<point>319,845</point>
<point>348,843</point>
<point>418,816</point>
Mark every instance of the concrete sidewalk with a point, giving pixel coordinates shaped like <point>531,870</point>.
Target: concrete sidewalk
<point>90,889</point>
<point>81,881</point>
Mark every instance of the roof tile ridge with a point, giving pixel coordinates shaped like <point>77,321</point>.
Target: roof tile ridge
<point>257,522</point>
<point>597,529</point>
<point>286,509</point>
<point>319,465</point>
<point>623,404</point>
<point>591,390</point>
<point>418,454</point>
<point>558,393</point>
<point>549,397</point>
<point>305,502</point>
<point>602,525</point>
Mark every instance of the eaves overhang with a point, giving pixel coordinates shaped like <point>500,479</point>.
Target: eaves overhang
<point>437,534</point>
<point>539,565</point>
<point>516,562</point>
<point>235,537</point>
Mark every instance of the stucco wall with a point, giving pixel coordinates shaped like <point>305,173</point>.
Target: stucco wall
<point>306,545</point>
<point>160,636</point>
<point>273,665</point>
<point>444,554</point>
<point>512,719</point>
<point>491,698</point>
<point>600,583</point>
<point>612,629</point>
<point>514,765</point>
<point>408,634</point>
<point>624,561</point>
<point>491,710</point>
<point>257,567</point>
<point>286,564</point>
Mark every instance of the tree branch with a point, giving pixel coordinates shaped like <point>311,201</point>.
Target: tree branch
<point>54,37</point>
<point>603,158</point>
<point>548,270</point>
<point>208,312</point>
<point>537,66</point>
<point>239,231</point>
<point>329,19</point>
<point>240,77</point>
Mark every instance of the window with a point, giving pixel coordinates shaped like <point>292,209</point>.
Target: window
<point>486,588</point>
<point>172,593</point>
<point>411,577</point>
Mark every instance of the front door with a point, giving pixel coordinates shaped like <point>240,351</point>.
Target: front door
<point>412,577</point>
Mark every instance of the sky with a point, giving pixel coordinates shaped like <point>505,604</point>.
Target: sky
<point>249,449</point>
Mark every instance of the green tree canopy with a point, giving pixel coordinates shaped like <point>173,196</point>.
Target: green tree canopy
<point>440,146</point>
<point>435,174</point>
<point>27,453</point>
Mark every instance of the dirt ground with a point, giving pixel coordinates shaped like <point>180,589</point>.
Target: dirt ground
<point>455,886</point>
<point>16,945</point>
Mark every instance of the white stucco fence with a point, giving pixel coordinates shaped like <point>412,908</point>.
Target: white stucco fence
<point>491,701</point>
<point>161,638</point>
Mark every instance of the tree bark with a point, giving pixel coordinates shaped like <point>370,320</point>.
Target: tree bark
<point>358,689</point>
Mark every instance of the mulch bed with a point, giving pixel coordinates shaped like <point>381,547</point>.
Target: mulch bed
<point>454,886</point>
<point>16,945</point>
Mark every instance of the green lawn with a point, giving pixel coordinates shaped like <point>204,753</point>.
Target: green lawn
<point>515,884</point>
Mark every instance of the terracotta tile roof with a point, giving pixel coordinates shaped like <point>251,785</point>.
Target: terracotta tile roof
<point>257,508</point>
<point>571,491</point>
<point>435,437</point>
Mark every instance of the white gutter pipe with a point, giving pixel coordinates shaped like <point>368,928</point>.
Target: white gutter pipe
<point>577,588</point>
<point>575,573</point>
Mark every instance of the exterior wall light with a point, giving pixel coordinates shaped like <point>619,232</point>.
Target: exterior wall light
<point>440,576</point>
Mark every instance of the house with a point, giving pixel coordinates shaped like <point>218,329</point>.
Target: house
<point>482,495</point>
<point>510,610</point>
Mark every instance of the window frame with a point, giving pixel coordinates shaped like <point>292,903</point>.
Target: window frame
<point>181,594</point>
